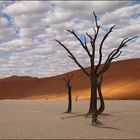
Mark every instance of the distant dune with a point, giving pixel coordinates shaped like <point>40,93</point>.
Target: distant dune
<point>122,81</point>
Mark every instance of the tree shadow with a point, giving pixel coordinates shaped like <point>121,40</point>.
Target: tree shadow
<point>66,112</point>
<point>78,115</point>
<point>98,125</point>
<point>105,114</point>
<point>74,115</point>
<point>107,127</point>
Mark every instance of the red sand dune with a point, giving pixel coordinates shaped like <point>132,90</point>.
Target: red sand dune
<point>122,81</point>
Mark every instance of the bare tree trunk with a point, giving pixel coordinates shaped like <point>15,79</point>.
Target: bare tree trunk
<point>93,97</point>
<point>69,101</point>
<point>102,105</point>
<point>76,98</point>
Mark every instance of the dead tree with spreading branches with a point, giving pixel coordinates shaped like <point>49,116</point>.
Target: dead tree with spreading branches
<point>68,84</point>
<point>96,72</point>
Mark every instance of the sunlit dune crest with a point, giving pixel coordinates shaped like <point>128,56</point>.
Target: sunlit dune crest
<point>121,81</point>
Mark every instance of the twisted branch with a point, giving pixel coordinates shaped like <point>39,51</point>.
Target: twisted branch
<point>100,49</point>
<point>84,45</point>
<point>113,55</point>
<point>73,57</point>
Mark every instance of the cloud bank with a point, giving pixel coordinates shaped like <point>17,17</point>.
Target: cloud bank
<point>28,30</point>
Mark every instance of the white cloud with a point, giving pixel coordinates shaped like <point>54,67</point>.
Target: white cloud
<point>7,34</point>
<point>4,4</point>
<point>17,44</point>
<point>24,21</point>
<point>25,7</point>
<point>32,31</point>
<point>3,22</point>
<point>100,7</point>
<point>120,16</point>
<point>129,31</point>
<point>28,17</point>
<point>29,28</point>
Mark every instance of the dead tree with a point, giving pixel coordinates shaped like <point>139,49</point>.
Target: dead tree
<point>102,105</point>
<point>76,97</point>
<point>69,87</point>
<point>96,71</point>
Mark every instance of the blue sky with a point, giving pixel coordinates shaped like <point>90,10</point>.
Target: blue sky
<point>28,30</point>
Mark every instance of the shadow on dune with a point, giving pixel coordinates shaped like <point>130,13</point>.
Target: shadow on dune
<point>120,82</point>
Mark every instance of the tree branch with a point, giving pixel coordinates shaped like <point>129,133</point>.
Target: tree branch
<point>68,80</point>
<point>94,30</point>
<point>96,21</point>
<point>130,39</point>
<point>71,76</point>
<point>93,42</point>
<point>73,57</point>
<point>100,49</point>
<point>117,55</point>
<point>82,44</point>
<point>113,55</point>
<point>65,81</point>
<point>91,39</point>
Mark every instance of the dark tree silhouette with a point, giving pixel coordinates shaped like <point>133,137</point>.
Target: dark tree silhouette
<point>69,87</point>
<point>76,97</point>
<point>95,74</point>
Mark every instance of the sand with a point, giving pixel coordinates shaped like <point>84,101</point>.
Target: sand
<point>41,119</point>
<point>121,81</point>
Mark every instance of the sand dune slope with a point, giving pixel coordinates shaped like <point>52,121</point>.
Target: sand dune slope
<point>120,82</point>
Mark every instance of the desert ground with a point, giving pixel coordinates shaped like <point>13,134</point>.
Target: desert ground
<point>43,119</point>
